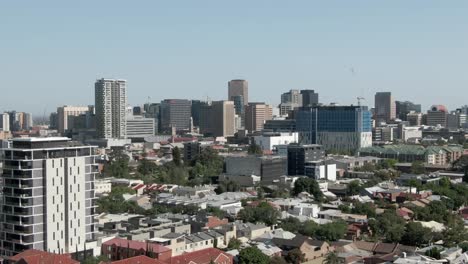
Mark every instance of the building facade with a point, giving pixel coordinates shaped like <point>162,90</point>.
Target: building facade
<point>403,108</point>
<point>437,116</point>
<point>300,155</point>
<point>238,87</point>
<point>337,128</point>
<point>218,119</point>
<point>48,196</point>
<point>5,122</point>
<point>385,108</point>
<point>110,106</point>
<point>176,114</point>
<point>309,98</point>
<point>140,127</point>
<point>63,114</point>
<point>256,114</point>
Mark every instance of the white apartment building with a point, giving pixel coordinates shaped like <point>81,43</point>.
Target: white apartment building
<point>270,140</point>
<point>110,106</point>
<point>48,196</point>
<point>4,122</point>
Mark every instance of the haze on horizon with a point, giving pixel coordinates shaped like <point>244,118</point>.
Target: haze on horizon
<point>52,51</point>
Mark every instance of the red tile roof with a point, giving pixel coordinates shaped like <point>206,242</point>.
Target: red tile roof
<point>138,260</point>
<point>136,245</point>
<point>33,256</point>
<point>204,256</point>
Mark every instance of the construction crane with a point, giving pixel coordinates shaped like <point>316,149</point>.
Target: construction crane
<point>359,99</point>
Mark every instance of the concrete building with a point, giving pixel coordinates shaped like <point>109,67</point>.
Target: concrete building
<point>414,118</point>
<point>289,101</point>
<point>385,108</point>
<point>408,133</point>
<point>191,150</point>
<point>176,114</point>
<point>299,155</point>
<point>256,114</point>
<point>20,121</point>
<point>63,114</point>
<point>269,168</point>
<point>48,196</point>
<point>110,106</point>
<point>269,140</point>
<point>437,116</point>
<point>218,119</point>
<point>139,127</point>
<point>238,87</point>
<point>403,108</point>
<point>153,110</point>
<point>309,98</point>
<point>5,122</point>
<point>337,128</point>
<point>283,125</point>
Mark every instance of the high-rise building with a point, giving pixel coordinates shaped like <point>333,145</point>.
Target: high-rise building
<point>63,114</point>
<point>406,107</point>
<point>48,196</point>
<point>196,110</point>
<point>309,98</point>
<point>414,118</point>
<point>218,119</point>
<point>239,108</point>
<point>4,122</point>
<point>293,96</point>
<point>154,111</point>
<point>299,155</point>
<point>176,114</point>
<point>238,87</point>
<point>20,121</point>
<point>110,106</point>
<point>27,121</point>
<point>437,116</point>
<point>337,128</point>
<point>385,108</point>
<point>255,116</point>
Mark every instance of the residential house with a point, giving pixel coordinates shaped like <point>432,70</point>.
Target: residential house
<point>136,260</point>
<point>118,248</point>
<point>205,256</point>
<point>312,249</point>
<point>34,256</point>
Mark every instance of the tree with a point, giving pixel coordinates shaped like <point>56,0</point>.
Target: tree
<point>234,243</point>
<point>364,209</point>
<point>291,224</point>
<point>278,260</point>
<point>354,188</point>
<point>176,156</point>
<point>433,253</point>
<point>389,163</point>
<point>331,231</point>
<point>417,167</point>
<point>254,149</point>
<point>117,165</point>
<point>227,186</point>
<point>332,258</point>
<point>253,255</point>
<point>464,246</point>
<point>416,235</point>
<point>263,213</point>
<point>389,226</point>
<point>146,167</point>
<point>295,256</point>
<point>308,185</point>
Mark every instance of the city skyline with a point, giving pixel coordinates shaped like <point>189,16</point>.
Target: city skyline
<point>414,50</point>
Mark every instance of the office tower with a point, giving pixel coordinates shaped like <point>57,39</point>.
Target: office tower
<point>196,108</point>
<point>414,118</point>
<point>110,106</point>
<point>238,87</point>
<point>385,108</point>
<point>139,127</point>
<point>406,107</point>
<point>289,101</point>
<point>5,122</point>
<point>191,151</point>
<point>299,155</point>
<point>217,119</point>
<point>27,121</point>
<point>154,111</point>
<point>337,128</point>
<point>255,116</point>
<point>53,120</point>
<point>137,110</point>
<point>63,114</point>
<point>286,125</point>
<point>309,98</point>
<point>48,196</point>
<point>176,114</point>
<point>437,116</point>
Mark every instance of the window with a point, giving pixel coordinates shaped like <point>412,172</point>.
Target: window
<point>56,172</point>
<point>53,217</point>
<point>53,235</point>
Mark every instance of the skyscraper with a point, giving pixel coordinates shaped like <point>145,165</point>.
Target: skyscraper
<point>64,112</point>
<point>255,116</point>
<point>403,108</point>
<point>385,108</point>
<point>48,196</point>
<point>437,116</point>
<point>238,87</point>
<point>309,98</point>
<point>4,122</point>
<point>337,128</point>
<point>217,119</point>
<point>289,101</point>
<point>110,106</point>
<point>176,113</point>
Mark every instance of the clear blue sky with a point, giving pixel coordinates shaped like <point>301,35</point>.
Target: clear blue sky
<point>51,52</point>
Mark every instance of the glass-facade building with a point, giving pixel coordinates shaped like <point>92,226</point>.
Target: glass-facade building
<point>339,128</point>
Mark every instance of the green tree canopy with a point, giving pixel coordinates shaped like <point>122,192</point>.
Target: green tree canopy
<point>309,185</point>
<point>253,255</point>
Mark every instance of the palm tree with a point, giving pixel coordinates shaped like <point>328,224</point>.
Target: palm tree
<point>332,258</point>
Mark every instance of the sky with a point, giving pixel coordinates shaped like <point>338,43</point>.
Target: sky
<point>51,52</point>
